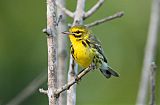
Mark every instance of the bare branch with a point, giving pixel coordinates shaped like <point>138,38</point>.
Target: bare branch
<point>109,18</point>
<point>78,16</point>
<point>150,52</point>
<point>94,9</point>
<point>66,11</point>
<point>79,13</point>
<point>72,82</point>
<point>71,94</point>
<point>73,67</point>
<point>29,89</point>
<point>152,83</point>
<point>62,53</point>
<point>52,51</point>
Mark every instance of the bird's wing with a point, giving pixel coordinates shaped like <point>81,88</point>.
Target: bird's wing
<point>95,43</point>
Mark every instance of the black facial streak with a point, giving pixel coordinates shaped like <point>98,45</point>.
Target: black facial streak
<point>78,32</point>
<point>79,39</point>
<point>77,36</point>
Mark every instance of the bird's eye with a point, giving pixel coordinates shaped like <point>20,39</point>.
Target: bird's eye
<point>77,32</point>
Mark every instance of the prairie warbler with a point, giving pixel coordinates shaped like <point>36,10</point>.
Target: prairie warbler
<point>86,49</point>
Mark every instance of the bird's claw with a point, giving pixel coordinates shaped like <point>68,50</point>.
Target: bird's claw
<point>92,66</point>
<point>77,79</point>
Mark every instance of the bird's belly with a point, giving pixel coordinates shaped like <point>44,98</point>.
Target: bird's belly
<point>83,56</point>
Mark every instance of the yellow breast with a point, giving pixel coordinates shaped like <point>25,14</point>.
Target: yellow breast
<point>83,55</point>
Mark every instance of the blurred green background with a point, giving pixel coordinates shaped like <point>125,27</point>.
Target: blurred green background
<point>23,51</point>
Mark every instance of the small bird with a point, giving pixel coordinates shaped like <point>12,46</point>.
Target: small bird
<point>86,50</point>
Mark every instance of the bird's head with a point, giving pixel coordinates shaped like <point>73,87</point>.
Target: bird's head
<point>78,33</point>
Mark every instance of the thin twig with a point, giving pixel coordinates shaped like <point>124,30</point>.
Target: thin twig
<point>47,31</point>
<point>150,52</point>
<point>29,89</point>
<point>109,18</point>
<point>72,82</point>
<point>93,9</point>
<point>59,19</point>
<point>66,11</point>
<point>152,83</point>
<point>41,90</point>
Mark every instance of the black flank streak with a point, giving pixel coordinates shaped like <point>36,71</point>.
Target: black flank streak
<point>72,51</point>
<point>84,44</point>
<point>88,43</point>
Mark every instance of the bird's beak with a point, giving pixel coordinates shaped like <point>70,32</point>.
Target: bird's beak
<point>66,32</point>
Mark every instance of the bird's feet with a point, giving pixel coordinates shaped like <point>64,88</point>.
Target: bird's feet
<point>92,66</point>
<point>77,79</point>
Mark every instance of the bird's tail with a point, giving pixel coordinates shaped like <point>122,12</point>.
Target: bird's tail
<point>108,71</point>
